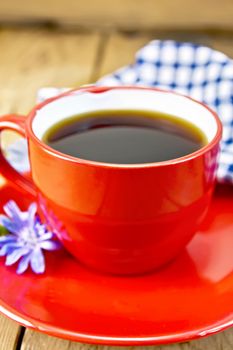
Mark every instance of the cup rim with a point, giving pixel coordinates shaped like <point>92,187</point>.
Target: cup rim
<point>100,89</point>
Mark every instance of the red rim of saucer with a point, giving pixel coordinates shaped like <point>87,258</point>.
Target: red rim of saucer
<point>114,341</point>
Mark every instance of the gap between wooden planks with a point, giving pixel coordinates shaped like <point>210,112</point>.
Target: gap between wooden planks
<point>9,333</point>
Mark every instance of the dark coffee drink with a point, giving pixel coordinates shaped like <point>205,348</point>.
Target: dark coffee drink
<point>125,136</point>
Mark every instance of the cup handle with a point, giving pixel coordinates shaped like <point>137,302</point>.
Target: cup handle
<point>15,123</point>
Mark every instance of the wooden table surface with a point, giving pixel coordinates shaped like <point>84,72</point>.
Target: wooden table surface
<point>33,57</point>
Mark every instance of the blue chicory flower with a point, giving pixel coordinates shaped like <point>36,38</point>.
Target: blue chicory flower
<point>27,238</point>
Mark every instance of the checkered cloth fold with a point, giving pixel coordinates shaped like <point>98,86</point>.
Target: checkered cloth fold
<point>194,70</point>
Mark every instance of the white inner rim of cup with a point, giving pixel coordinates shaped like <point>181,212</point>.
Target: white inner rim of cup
<point>79,102</point>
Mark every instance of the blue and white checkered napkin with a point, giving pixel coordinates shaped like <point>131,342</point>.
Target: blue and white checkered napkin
<point>194,70</point>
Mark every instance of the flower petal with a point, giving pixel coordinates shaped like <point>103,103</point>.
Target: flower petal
<point>40,230</point>
<point>37,261</point>
<point>18,219</point>
<point>3,217</point>
<point>9,247</point>
<point>8,224</point>
<point>4,250</point>
<point>7,238</point>
<point>31,214</point>
<point>23,264</point>
<point>12,210</point>
<point>16,255</point>
<point>50,245</point>
<point>46,236</point>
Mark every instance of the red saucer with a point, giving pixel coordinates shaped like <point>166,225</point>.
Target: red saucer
<point>189,298</point>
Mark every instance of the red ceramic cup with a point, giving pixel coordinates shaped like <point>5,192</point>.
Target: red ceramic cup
<point>120,219</point>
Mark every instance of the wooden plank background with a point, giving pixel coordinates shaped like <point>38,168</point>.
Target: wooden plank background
<point>147,14</point>
<point>35,57</point>
<point>32,57</point>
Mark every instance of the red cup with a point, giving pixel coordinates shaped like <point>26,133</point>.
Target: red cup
<point>120,219</point>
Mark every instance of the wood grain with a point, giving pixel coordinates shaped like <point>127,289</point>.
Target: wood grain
<point>119,51</point>
<point>31,59</point>
<point>224,44</point>
<point>135,14</point>
<point>37,341</point>
<point>34,58</point>
<point>9,331</point>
